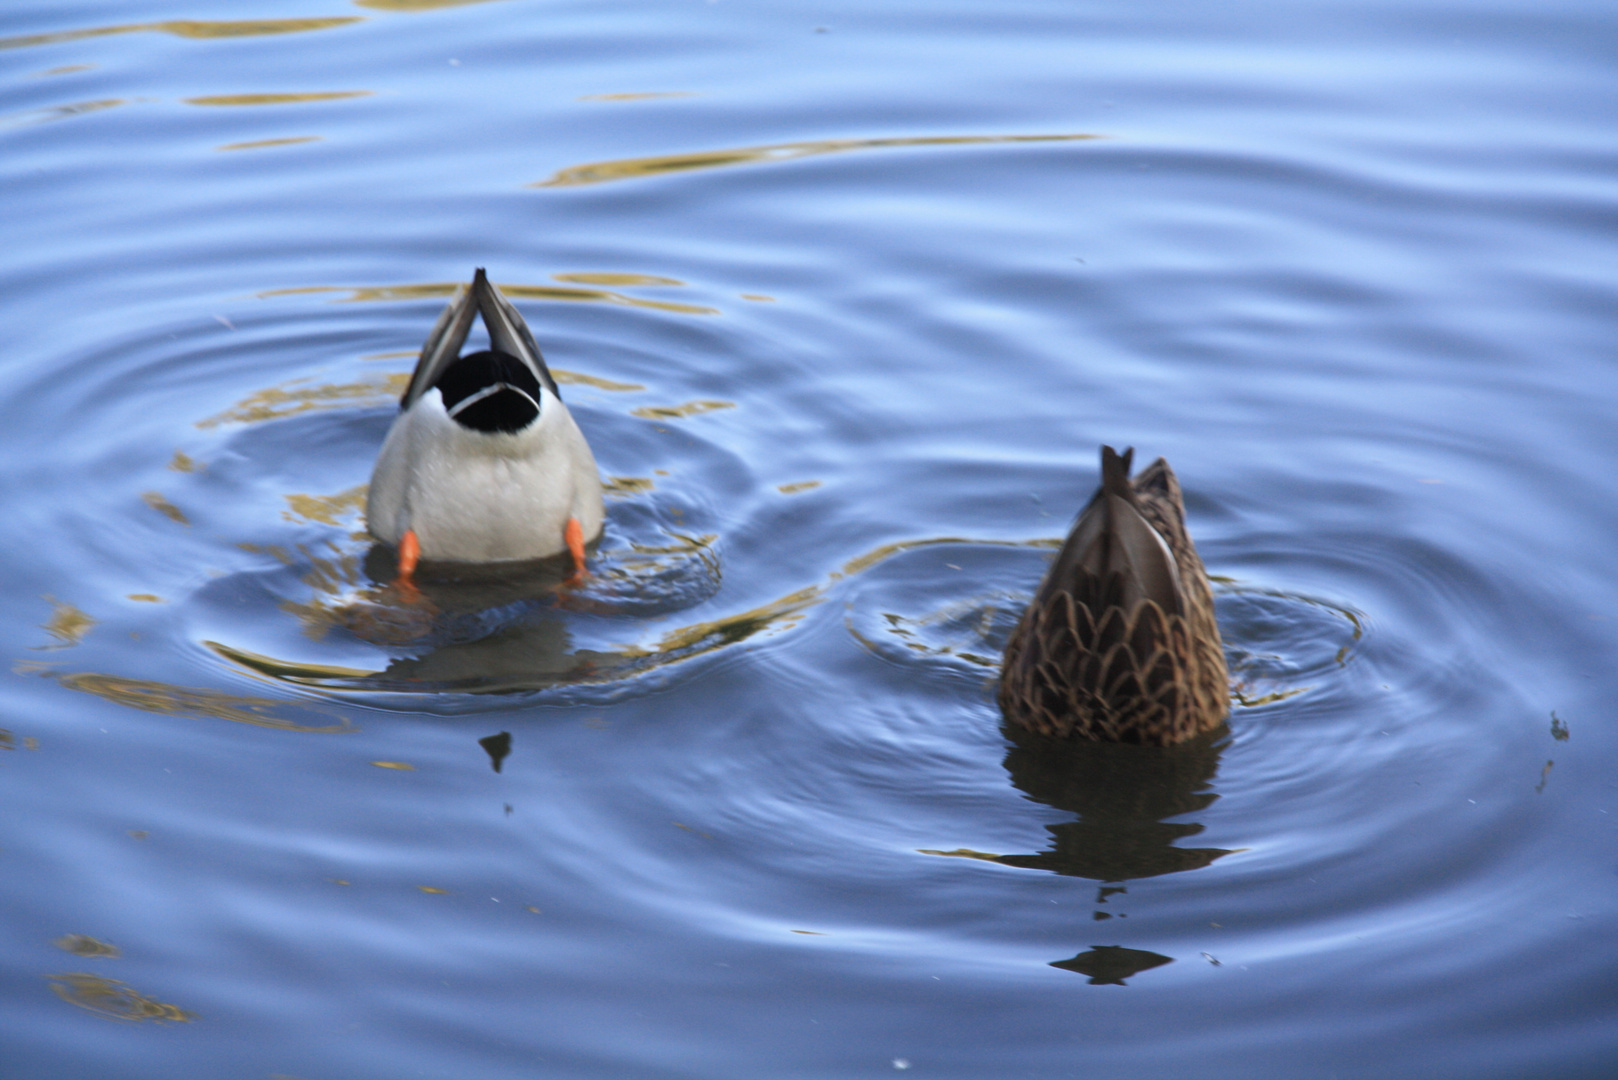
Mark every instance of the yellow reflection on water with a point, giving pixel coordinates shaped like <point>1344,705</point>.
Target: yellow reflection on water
<point>113,999</point>
<point>637,97</point>
<point>171,700</point>
<point>157,502</point>
<point>620,280</point>
<point>326,509</point>
<point>525,292</point>
<point>84,945</point>
<point>183,462</point>
<point>275,99</point>
<point>187,28</point>
<point>573,377</point>
<point>623,487</point>
<point>600,172</point>
<point>871,558</point>
<point>801,485</point>
<point>63,112</point>
<point>678,412</point>
<point>415,5</point>
<point>65,69</point>
<point>260,144</point>
<point>292,398</point>
<point>67,625</point>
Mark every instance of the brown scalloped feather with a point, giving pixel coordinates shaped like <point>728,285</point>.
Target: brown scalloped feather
<point>1099,655</point>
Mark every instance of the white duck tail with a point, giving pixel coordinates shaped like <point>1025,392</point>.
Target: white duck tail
<point>483,463</point>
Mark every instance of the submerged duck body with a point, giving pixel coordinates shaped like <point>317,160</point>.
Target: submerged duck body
<point>1120,643</point>
<point>484,463</point>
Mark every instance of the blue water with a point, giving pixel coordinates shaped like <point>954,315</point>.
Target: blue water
<point>845,298</point>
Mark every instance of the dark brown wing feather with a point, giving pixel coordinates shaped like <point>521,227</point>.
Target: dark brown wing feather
<point>1120,643</point>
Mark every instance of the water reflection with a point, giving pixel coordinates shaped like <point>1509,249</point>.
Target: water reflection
<point>497,747</point>
<point>86,946</point>
<point>600,172</point>
<point>1110,965</point>
<point>360,293</point>
<point>187,28</point>
<point>415,5</point>
<point>276,99</point>
<point>62,112</point>
<point>113,999</point>
<point>263,144</point>
<point>1122,794</point>
<point>159,697</point>
<point>526,646</point>
<point>67,625</point>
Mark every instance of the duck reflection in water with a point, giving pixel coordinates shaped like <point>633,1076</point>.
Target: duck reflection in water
<point>1122,795</point>
<point>487,627</point>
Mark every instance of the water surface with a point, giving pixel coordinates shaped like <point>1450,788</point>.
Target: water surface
<point>846,298</point>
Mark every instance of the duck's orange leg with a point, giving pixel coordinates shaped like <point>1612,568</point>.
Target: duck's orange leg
<point>574,535</point>
<point>409,556</point>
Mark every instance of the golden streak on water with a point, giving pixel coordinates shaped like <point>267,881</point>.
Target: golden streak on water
<point>677,412</point>
<point>65,69</point>
<point>620,280</point>
<point>113,999</point>
<point>187,29</point>
<point>801,485</point>
<point>622,487</point>
<point>146,598</point>
<point>302,673</point>
<point>171,700</point>
<point>412,353</point>
<point>326,509</point>
<point>573,378</point>
<point>871,558</point>
<point>400,765</point>
<point>261,144</point>
<point>276,99</point>
<point>961,853</point>
<point>638,97</point>
<point>357,294</point>
<point>183,462</point>
<point>157,502</point>
<point>67,625</point>
<point>414,5</point>
<point>601,172</point>
<point>84,945</point>
<point>290,399</point>
<point>758,298</point>
<point>433,890</point>
<point>64,112</point>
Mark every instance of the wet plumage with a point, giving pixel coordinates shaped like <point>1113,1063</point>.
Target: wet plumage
<point>1120,642</point>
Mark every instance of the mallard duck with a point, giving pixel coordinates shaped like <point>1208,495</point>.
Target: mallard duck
<point>483,463</point>
<point>1120,643</point>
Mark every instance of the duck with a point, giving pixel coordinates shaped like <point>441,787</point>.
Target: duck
<point>483,462</point>
<point>1120,643</point>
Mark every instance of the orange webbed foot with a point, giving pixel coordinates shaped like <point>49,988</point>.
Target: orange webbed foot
<point>574,535</point>
<point>409,556</point>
